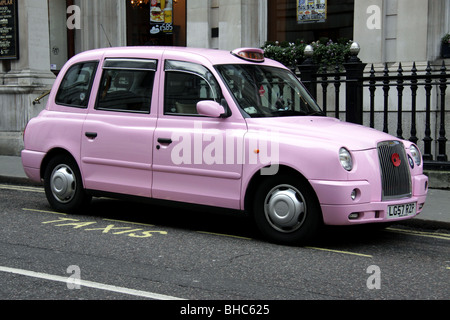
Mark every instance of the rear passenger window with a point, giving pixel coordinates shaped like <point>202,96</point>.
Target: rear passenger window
<point>76,85</point>
<point>126,85</point>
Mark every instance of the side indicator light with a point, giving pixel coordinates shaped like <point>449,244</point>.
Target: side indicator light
<point>353,216</point>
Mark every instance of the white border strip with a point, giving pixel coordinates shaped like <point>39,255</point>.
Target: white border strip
<point>89,284</point>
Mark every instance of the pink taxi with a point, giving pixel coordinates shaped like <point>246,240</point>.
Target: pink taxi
<point>219,129</point>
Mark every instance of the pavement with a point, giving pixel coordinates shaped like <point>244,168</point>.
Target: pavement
<point>436,213</point>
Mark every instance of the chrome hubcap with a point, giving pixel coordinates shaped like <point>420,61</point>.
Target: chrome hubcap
<point>285,208</point>
<point>63,183</point>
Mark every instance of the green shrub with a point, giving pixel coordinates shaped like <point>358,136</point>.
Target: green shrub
<point>327,54</point>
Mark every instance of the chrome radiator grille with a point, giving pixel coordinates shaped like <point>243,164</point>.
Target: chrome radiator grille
<point>395,174</point>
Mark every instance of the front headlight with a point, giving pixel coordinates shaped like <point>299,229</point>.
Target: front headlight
<point>415,153</point>
<point>346,159</point>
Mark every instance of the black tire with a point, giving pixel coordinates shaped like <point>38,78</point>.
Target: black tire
<point>286,210</point>
<point>63,185</point>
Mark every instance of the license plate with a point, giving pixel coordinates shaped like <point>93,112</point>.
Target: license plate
<point>401,210</point>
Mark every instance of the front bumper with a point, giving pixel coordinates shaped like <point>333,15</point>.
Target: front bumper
<point>338,207</point>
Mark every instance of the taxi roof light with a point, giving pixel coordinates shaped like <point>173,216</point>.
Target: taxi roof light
<point>249,54</point>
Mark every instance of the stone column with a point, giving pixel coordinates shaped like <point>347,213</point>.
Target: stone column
<point>369,29</point>
<point>103,24</point>
<point>240,23</point>
<point>400,30</point>
<point>412,30</point>
<point>198,27</point>
<point>22,80</point>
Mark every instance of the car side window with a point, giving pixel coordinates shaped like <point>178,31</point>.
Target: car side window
<point>75,88</point>
<point>186,84</point>
<point>126,85</point>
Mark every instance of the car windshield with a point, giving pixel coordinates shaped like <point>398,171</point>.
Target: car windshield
<point>263,91</point>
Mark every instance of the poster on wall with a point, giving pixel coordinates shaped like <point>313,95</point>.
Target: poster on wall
<point>161,17</point>
<point>310,11</point>
<point>9,40</point>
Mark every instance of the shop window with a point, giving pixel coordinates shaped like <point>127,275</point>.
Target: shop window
<point>284,24</point>
<point>156,22</point>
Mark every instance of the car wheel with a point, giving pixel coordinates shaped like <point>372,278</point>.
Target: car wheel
<point>286,210</point>
<point>63,185</point>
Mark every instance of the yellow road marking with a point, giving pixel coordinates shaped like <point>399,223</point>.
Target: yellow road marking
<point>44,211</point>
<point>21,188</point>
<point>215,234</point>
<point>129,222</point>
<point>78,224</point>
<point>114,220</point>
<point>340,251</point>
<point>224,235</point>
<point>443,236</point>
<point>314,248</point>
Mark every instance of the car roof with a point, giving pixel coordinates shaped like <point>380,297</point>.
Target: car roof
<point>199,55</point>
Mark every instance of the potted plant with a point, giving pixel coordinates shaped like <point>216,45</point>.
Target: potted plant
<point>445,46</point>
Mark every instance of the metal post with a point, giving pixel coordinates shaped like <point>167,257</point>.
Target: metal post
<point>354,86</point>
<point>308,72</point>
<point>427,156</point>
<point>442,140</point>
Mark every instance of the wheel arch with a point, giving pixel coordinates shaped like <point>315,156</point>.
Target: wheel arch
<point>50,155</point>
<point>257,178</point>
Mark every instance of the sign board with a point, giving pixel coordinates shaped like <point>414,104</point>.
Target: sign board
<point>161,16</point>
<point>9,30</point>
<point>310,11</point>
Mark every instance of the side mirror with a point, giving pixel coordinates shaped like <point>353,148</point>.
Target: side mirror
<point>210,109</point>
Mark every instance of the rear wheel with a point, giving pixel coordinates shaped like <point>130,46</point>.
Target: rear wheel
<point>286,210</point>
<point>63,185</point>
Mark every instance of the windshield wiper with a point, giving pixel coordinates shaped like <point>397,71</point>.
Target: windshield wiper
<point>287,113</point>
<point>317,113</point>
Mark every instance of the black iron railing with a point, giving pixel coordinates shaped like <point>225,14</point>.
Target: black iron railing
<point>415,99</point>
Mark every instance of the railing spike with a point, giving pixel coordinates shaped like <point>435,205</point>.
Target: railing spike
<point>414,81</point>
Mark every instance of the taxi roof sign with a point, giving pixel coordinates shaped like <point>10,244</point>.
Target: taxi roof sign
<point>249,54</point>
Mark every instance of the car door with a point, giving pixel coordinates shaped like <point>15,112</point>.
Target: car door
<point>197,159</point>
<point>117,141</point>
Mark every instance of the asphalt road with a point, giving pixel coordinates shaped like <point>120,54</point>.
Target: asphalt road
<point>119,250</point>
